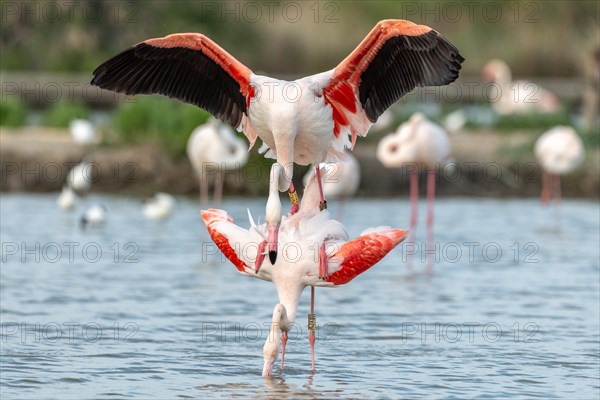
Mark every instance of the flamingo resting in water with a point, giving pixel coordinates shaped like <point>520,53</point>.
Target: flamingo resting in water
<point>559,152</point>
<point>417,143</point>
<point>318,253</point>
<point>518,97</point>
<point>214,148</point>
<point>306,121</point>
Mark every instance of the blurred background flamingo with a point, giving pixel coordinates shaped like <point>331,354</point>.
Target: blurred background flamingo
<point>213,149</point>
<point>518,97</point>
<point>417,143</point>
<point>559,151</point>
<point>341,180</point>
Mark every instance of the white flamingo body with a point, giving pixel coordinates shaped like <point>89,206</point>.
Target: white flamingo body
<point>302,235</point>
<point>94,216</point>
<point>66,198</point>
<point>82,131</point>
<point>307,121</point>
<point>518,97</point>
<point>80,177</point>
<point>559,151</point>
<point>159,207</point>
<point>214,148</point>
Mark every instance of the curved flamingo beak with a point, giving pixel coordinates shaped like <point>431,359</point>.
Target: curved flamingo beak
<point>272,238</point>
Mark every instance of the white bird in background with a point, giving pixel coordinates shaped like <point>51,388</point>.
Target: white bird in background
<point>213,148</point>
<point>82,131</point>
<point>341,179</point>
<point>417,143</point>
<point>66,199</point>
<point>518,97</point>
<point>305,121</point>
<point>159,207</point>
<point>559,151</point>
<point>334,260</point>
<point>79,177</point>
<point>95,216</point>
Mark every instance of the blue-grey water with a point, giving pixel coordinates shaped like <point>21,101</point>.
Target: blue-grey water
<point>144,309</point>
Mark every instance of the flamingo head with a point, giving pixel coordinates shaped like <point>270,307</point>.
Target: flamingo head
<point>496,71</point>
<point>270,352</point>
<point>400,147</point>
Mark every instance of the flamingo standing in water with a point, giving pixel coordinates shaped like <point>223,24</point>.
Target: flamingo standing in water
<point>340,179</point>
<point>319,254</point>
<point>417,143</point>
<point>559,152</point>
<point>306,121</point>
<point>518,97</point>
<point>214,148</point>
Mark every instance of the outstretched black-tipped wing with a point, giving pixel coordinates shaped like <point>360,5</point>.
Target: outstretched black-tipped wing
<point>189,67</point>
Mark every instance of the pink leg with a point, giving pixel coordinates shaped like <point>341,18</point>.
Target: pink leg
<point>312,321</point>
<point>284,338</point>
<point>430,200</point>
<point>323,203</point>
<point>323,270</point>
<point>294,199</point>
<point>557,198</point>
<point>414,207</point>
<point>546,188</point>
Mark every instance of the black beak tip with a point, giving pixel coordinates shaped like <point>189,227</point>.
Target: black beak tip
<point>272,257</point>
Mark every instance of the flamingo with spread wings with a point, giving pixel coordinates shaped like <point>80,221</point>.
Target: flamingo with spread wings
<point>306,121</point>
<point>319,253</point>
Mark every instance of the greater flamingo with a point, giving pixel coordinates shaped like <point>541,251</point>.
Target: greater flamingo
<point>340,179</point>
<point>518,97</point>
<point>319,254</point>
<point>79,177</point>
<point>66,198</point>
<point>95,216</point>
<point>417,143</point>
<point>82,131</point>
<point>307,121</point>
<point>559,151</point>
<point>159,207</point>
<point>213,148</point>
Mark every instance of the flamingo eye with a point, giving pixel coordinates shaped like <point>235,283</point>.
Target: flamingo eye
<point>393,148</point>
<point>231,150</point>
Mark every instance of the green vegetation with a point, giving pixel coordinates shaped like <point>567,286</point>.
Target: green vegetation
<point>163,121</point>
<point>60,114</point>
<point>12,113</point>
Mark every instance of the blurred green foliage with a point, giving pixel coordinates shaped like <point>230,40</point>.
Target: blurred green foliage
<point>12,113</point>
<point>163,121</point>
<point>61,113</point>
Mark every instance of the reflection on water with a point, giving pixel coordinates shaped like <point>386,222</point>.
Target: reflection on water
<point>146,309</point>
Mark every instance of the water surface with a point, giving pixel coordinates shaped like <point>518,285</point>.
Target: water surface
<point>144,309</point>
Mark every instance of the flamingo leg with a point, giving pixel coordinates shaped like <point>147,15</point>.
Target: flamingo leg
<point>546,194</point>
<point>323,202</point>
<point>557,198</point>
<point>414,207</point>
<point>218,187</point>
<point>312,321</point>
<point>284,339</point>
<point>430,212</point>
<point>204,191</point>
<point>294,199</point>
